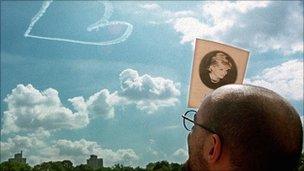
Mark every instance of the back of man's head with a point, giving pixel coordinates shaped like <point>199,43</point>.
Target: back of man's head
<point>259,129</point>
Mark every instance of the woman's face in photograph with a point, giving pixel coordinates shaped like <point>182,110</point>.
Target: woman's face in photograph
<point>219,70</point>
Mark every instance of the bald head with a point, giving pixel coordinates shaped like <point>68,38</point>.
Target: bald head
<point>258,128</point>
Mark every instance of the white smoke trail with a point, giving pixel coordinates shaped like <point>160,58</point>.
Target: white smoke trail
<point>42,10</point>
<point>103,22</point>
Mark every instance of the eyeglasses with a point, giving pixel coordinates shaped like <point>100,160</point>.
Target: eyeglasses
<point>188,121</point>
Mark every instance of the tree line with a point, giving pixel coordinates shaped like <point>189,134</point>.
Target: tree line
<point>67,165</point>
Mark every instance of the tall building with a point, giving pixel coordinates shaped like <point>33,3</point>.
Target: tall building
<point>94,162</point>
<point>17,158</point>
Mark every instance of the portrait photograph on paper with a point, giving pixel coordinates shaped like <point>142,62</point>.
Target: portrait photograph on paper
<point>214,65</point>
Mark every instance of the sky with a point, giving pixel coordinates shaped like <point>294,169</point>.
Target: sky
<point>112,78</point>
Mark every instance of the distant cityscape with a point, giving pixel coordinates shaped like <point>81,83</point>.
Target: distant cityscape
<point>17,158</point>
<point>18,163</point>
<point>93,162</point>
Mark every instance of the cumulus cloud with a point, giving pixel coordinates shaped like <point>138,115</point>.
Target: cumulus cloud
<point>192,28</point>
<point>285,79</point>
<point>28,143</point>
<point>224,21</point>
<point>37,150</point>
<point>148,93</point>
<point>180,152</point>
<point>137,87</point>
<point>99,104</point>
<point>16,144</point>
<point>277,34</point>
<point>77,151</point>
<point>248,24</point>
<point>218,17</point>
<point>30,109</point>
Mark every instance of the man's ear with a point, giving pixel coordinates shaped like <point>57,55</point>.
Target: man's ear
<point>215,149</point>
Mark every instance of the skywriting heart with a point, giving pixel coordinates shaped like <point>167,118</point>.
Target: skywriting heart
<point>101,23</point>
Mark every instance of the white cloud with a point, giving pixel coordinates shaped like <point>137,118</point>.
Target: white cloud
<point>17,144</point>
<point>30,109</point>
<point>150,149</point>
<point>182,13</point>
<point>156,15</point>
<point>219,9</point>
<point>171,16</point>
<point>218,17</point>
<point>99,104</point>
<point>180,155</point>
<point>78,151</point>
<point>137,87</point>
<point>150,6</point>
<point>180,152</point>
<point>285,79</point>
<point>262,25</point>
<point>36,150</point>
<point>280,43</point>
<point>280,33</point>
<point>148,93</point>
<point>191,28</point>
<point>28,143</point>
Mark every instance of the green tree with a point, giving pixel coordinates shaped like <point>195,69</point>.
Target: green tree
<point>150,166</point>
<point>119,167</point>
<point>14,166</point>
<point>104,169</point>
<point>139,169</point>
<point>162,166</point>
<point>176,167</point>
<point>65,165</point>
<point>83,167</point>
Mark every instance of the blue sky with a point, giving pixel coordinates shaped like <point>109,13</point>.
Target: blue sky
<point>112,78</point>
